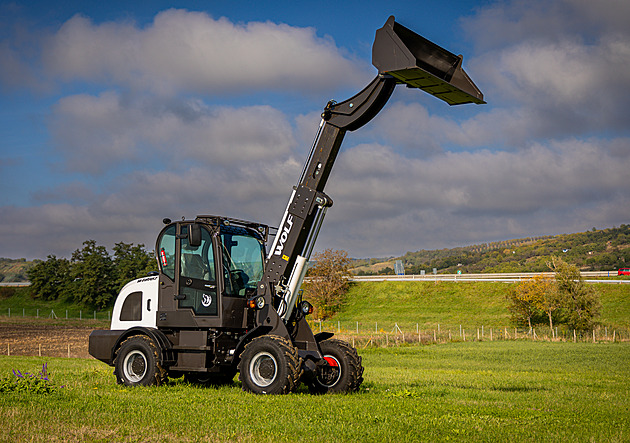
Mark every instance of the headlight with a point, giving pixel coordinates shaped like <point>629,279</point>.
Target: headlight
<point>306,308</point>
<point>256,303</point>
<point>260,302</point>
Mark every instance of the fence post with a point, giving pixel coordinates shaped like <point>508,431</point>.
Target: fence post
<point>357,328</point>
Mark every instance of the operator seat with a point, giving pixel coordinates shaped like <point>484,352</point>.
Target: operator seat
<point>193,266</point>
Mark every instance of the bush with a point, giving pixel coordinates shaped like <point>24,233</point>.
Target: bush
<point>328,282</point>
<point>6,292</point>
<point>567,299</point>
<point>27,382</point>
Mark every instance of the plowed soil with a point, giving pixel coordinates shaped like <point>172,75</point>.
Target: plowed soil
<point>45,338</point>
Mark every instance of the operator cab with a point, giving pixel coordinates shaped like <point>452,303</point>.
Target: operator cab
<point>208,269</point>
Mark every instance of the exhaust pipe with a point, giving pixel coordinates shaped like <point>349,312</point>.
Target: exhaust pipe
<point>420,63</point>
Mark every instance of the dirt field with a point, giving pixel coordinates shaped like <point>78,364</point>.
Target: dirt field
<point>46,338</point>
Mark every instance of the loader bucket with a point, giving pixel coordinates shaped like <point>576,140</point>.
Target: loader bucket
<point>419,63</point>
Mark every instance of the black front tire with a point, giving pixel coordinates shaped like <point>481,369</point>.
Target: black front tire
<point>270,365</point>
<point>344,375</point>
<point>137,363</point>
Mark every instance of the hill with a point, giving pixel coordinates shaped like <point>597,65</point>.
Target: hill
<point>450,304</point>
<point>14,270</point>
<point>594,250</point>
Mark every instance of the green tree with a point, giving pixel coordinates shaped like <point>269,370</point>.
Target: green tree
<point>328,281</point>
<point>525,299</point>
<point>548,300</point>
<point>580,302</point>
<point>93,274</point>
<point>131,262</point>
<point>49,279</point>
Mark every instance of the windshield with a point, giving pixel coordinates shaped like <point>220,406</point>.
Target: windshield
<point>243,260</point>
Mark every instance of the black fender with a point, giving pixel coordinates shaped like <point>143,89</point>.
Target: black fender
<point>323,336</point>
<point>254,333</point>
<point>167,355</point>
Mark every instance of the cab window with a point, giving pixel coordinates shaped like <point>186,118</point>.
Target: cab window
<point>166,252</point>
<point>243,260</point>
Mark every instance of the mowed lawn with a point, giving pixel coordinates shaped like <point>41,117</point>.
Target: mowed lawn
<point>475,391</point>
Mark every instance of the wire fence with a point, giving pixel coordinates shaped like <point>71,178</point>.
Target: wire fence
<point>52,338</point>
<point>67,314</point>
<point>386,334</point>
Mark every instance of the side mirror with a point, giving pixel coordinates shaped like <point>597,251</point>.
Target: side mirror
<point>194,235</point>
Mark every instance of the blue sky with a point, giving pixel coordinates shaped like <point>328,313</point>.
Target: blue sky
<point>114,115</point>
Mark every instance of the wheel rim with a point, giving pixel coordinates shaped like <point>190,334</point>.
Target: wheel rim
<point>135,366</point>
<point>263,369</point>
<point>329,376</point>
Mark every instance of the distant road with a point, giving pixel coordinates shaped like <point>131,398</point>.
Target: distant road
<point>589,276</point>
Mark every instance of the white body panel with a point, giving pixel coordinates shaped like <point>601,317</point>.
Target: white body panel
<point>134,315</point>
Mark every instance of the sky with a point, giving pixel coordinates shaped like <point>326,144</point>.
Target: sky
<point>115,115</point>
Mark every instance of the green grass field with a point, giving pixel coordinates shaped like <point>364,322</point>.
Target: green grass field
<point>517,391</point>
<point>499,391</point>
<point>450,304</point>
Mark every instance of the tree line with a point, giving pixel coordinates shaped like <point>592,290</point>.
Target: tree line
<point>92,276</point>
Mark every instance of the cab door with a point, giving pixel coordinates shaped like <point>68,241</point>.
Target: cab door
<point>197,279</point>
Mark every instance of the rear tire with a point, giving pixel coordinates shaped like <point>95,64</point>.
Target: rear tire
<point>269,365</point>
<point>137,363</point>
<point>345,377</point>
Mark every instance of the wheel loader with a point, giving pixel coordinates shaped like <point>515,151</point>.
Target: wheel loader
<point>223,304</point>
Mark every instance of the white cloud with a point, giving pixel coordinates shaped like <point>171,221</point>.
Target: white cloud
<point>548,154</point>
<point>386,203</point>
<point>564,65</point>
<point>97,133</point>
<point>191,51</point>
